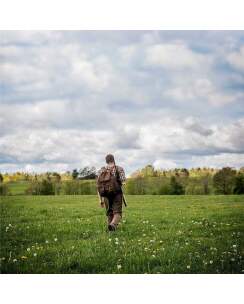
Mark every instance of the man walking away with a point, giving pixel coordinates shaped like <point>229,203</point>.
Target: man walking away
<point>109,185</point>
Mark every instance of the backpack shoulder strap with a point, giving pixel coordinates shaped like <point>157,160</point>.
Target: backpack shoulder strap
<point>117,175</point>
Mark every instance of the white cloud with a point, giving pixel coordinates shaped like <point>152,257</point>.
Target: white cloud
<point>160,143</point>
<point>69,98</point>
<point>57,146</point>
<point>201,90</point>
<point>128,52</point>
<point>96,73</point>
<point>54,69</point>
<point>195,88</point>
<point>190,136</point>
<point>20,73</point>
<point>40,167</point>
<point>30,37</point>
<point>219,161</point>
<point>164,164</point>
<point>175,56</point>
<point>237,59</point>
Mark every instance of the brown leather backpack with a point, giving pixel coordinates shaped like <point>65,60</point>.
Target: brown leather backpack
<point>107,183</point>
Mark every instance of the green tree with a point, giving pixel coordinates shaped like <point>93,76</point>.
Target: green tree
<point>136,186</point>
<point>205,182</point>
<point>56,177</point>
<point>184,172</point>
<point>4,189</point>
<point>239,184</point>
<point>1,178</point>
<point>47,187</point>
<point>87,173</point>
<point>148,171</point>
<point>223,180</point>
<point>75,174</point>
<point>175,186</point>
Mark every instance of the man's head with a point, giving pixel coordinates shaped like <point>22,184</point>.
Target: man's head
<point>109,159</point>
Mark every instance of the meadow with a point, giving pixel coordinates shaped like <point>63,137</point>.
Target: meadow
<point>158,234</point>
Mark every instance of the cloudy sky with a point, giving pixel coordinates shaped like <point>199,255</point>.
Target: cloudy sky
<point>168,98</point>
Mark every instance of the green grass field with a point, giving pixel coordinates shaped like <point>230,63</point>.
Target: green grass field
<point>159,234</point>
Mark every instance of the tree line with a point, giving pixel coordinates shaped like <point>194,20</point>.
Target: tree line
<point>147,180</point>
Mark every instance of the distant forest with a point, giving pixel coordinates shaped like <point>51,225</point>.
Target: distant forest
<point>148,180</point>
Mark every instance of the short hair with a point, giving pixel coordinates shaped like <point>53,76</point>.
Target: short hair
<point>109,158</point>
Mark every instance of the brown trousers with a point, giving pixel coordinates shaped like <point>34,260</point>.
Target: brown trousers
<point>113,205</point>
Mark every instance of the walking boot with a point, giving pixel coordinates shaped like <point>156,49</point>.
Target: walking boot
<point>111,227</point>
<point>110,219</point>
<point>116,219</point>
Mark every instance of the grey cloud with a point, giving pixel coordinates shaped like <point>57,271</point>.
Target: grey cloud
<point>127,139</point>
<point>196,127</point>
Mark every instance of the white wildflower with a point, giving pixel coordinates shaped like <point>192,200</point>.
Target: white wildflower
<point>188,266</point>
<point>119,267</point>
<point>35,254</point>
<point>55,240</point>
<point>28,249</point>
